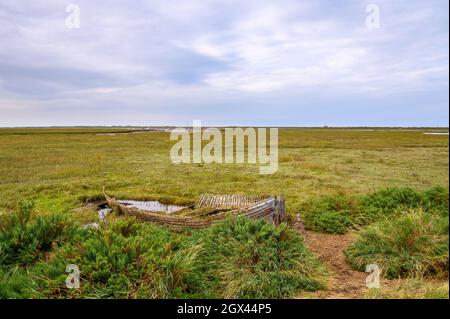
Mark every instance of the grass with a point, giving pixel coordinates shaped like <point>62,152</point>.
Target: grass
<point>241,258</point>
<point>329,171</point>
<point>415,243</point>
<point>331,214</point>
<point>23,241</point>
<point>130,259</point>
<point>15,283</point>
<point>61,168</point>
<point>412,288</point>
<point>126,259</point>
<point>338,214</point>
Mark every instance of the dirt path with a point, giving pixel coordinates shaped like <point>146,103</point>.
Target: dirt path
<point>344,282</point>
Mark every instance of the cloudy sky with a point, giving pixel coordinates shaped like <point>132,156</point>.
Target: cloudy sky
<point>278,63</point>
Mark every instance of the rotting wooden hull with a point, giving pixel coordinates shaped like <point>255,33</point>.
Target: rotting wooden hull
<point>271,209</point>
<point>232,201</point>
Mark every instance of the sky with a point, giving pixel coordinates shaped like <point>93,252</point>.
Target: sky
<point>255,63</point>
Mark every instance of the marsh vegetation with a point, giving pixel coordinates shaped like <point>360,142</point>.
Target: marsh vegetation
<point>387,189</point>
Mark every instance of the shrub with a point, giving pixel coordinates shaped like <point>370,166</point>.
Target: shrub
<point>336,214</point>
<point>331,214</point>
<point>387,202</point>
<point>412,244</point>
<point>23,240</point>
<point>436,199</point>
<point>242,258</point>
<point>131,259</point>
<point>329,222</point>
<point>126,260</point>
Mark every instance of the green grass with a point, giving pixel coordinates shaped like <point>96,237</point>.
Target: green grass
<point>127,259</point>
<point>131,259</point>
<point>328,171</point>
<point>340,213</point>
<point>23,241</point>
<point>331,214</point>
<point>241,258</point>
<point>15,283</point>
<point>415,243</point>
<point>61,168</point>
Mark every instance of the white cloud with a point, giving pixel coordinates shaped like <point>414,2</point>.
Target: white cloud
<point>196,54</point>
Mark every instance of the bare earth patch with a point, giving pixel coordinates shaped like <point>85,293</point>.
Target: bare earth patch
<point>344,282</point>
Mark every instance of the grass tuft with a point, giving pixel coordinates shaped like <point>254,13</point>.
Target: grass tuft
<point>337,214</point>
<point>413,244</point>
<point>241,258</point>
<point>331,214</point>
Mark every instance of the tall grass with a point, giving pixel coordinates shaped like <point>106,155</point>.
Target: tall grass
<point>436,199</point>
<point>338,214</point>
<point>388,201</point>
<point>414,243</point>
<point>241,258</point>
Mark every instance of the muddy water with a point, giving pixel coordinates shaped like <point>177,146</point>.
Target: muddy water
<point>152,206</point>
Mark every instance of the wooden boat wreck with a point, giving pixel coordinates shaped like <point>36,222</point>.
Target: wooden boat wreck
<point>218,207</point>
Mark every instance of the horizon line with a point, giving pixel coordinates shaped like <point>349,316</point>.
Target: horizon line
<point>219,126</point>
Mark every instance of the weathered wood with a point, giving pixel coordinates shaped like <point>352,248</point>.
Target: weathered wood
<point>255,207</point>
<point>228,201</point>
